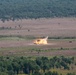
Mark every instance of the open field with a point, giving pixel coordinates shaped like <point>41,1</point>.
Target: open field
<point>22,47</point>
<point>40,27</point>
<point>16,37</point>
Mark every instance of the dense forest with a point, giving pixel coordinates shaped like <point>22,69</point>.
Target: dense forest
<point>20,9</point>
<point>36,66</point>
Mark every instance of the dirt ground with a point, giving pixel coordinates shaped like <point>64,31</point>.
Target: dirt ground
<point>40,27</point>
<point>55,27</point>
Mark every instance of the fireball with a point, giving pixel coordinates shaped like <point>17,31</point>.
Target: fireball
<point>41,41</point>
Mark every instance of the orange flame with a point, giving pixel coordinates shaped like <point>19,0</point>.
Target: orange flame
<point>41,41</point>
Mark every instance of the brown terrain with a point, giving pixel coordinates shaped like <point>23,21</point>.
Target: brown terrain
<point>55,27</point>
<point>41,27</point>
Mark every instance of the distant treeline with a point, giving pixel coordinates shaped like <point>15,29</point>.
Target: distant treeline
<point>38,66</point>
<point>20,9</point>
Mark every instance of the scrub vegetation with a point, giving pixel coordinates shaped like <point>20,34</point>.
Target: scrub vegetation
<point>37,66</point>
<point>20,9</point>
<point>23,21</point>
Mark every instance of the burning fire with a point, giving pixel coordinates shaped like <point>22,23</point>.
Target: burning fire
<point>41,41</point>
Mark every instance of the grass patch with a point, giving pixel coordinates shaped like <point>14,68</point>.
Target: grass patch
<point>62,37</point>
<point>11,38</point>
<point>16,37</point>
<point>28,51</point>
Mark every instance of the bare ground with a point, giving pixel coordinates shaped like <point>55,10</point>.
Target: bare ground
<point>41,27</point>
<point>55,27</point>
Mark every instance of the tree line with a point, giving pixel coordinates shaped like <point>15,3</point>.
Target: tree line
<point>38,66</point>
<point>20,9</point>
